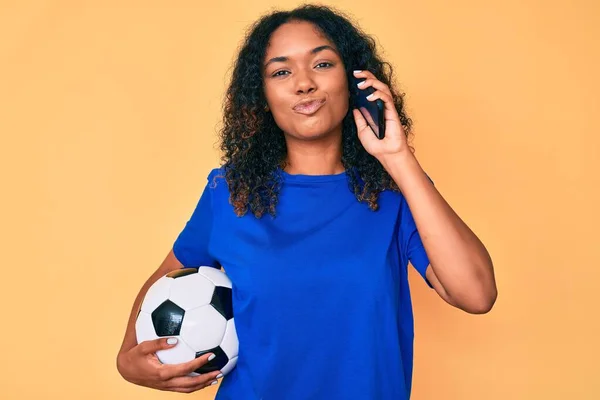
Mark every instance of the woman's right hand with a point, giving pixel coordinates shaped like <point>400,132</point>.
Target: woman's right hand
<point>141,366</point>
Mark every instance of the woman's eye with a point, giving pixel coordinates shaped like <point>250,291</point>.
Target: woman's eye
<point>284,72</point>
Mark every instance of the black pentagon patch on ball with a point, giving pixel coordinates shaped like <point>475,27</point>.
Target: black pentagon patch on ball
<point>221,301</point>
<point>167,319</point>
<point>178,273</point>
<point>216,363</point>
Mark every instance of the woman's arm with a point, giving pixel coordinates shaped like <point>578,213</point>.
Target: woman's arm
<point>138,363</point>
<point>169,264</point>
<point>461,269</point>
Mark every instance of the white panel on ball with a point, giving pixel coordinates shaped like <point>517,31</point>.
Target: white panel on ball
<point>144,329</point>
<point>216,276</point>
<point>229,344</point>
<point>156,294</point>
<point>229,366</point>
<point>179,354</point>
<point>191,291</point>
<point>203,328</point>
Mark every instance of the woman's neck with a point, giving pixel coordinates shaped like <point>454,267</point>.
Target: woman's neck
<point>318,157</point>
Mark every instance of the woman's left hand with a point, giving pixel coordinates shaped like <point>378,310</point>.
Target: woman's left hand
<point>394,141</point>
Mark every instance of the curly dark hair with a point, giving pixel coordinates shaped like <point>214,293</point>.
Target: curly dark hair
<point>253,146</point>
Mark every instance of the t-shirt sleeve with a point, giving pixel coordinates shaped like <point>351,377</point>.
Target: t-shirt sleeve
<point>410,242</point>
<point>191,245</point>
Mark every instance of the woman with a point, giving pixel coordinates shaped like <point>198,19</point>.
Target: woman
<point>314,219</point>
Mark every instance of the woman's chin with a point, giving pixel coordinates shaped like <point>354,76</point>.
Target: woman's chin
<point>315,133</point>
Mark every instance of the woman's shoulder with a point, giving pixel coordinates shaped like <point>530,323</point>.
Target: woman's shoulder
<point>216,178</point>
<point>217,173</point>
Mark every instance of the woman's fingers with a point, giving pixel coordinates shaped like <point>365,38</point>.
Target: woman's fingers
<point>152,346</point>
<point>194,388</point>
<point>372,81</point>
<point>170,371</point>
<point>191,382</point>
<point>387,99</point>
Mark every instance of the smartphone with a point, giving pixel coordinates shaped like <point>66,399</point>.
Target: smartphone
<point>372,111</point>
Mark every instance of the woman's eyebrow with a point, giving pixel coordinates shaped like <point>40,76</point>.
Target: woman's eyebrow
<point>313,51</point>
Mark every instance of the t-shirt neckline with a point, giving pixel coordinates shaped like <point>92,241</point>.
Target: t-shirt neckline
<point>311,178</point>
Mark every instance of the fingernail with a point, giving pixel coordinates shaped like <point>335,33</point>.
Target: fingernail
<point>360,83</point>
<point>357,71</point>
<point>171,340</point>
<point>213,383</point>
<point>369,97</point>
<point>219,376</point>
<point>211,357</point>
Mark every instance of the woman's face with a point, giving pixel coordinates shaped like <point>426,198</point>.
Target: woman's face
<point>300,65</point>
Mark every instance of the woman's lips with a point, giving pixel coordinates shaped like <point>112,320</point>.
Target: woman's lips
<point>309,108</point>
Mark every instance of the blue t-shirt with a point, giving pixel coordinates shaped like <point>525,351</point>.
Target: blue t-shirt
<point>321,298</point>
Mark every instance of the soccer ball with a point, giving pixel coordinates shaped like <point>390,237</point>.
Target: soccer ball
<point>194,305</point>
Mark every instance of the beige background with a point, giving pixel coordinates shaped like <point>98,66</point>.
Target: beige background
<point>108,114</point>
